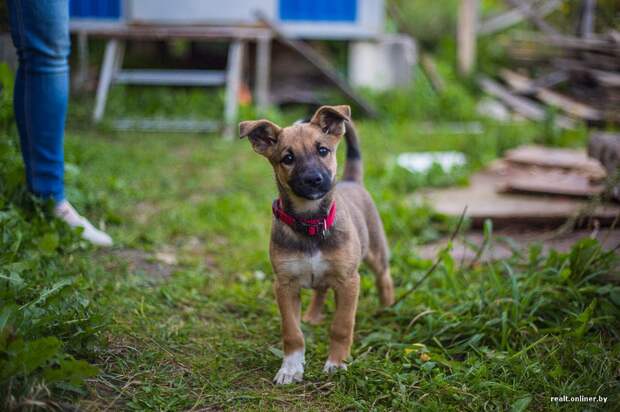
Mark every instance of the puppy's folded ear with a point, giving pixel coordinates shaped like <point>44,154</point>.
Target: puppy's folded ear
<point>331,119</point>
<point>263,135</point>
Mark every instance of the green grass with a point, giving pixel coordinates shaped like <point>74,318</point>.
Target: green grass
<point>204,333</point>
<point>528,328</point>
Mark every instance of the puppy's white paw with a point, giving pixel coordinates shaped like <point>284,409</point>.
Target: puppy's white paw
<point>292,369</point>
<point>332,367</point>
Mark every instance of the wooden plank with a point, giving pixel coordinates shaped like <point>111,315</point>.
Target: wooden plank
<point>515,16</point>
<point>553,182</point>
<point>521,105</point>
<point>484,202</point>
<point>568,105</point>
<point>609,79</point>
<point>569,159</point>
<point>523,84</point>
<point>534,17</point>
<point>551,79</point>
<point>466,36</point>
<point>171,77</point>
<point>571,42</point>
<point>601,61</point>
<point>322,64</point>
<point>160,32</point>
<point>170,125</point>
<point>604,77</point>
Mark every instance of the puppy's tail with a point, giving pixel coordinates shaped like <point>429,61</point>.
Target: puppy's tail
<point>353,170</point>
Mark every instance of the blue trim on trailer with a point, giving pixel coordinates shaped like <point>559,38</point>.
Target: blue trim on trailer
<point>318,10</point>
<point>95,9</point>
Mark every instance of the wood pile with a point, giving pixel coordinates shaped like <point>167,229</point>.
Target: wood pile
<point>541,170</point>
<point>576,73</point>
<point>532,185</point>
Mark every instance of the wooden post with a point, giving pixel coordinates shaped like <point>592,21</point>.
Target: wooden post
<point>234,74</point>
<point>466,36</point>
<point>106,75</point>
<point>586,26</point>
<point>263,70</point>
<point>83,59</point>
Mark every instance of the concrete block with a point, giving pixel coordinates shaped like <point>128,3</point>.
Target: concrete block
<point>384,64</point>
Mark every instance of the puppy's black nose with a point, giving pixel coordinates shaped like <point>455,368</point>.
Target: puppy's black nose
<point>313,180</point>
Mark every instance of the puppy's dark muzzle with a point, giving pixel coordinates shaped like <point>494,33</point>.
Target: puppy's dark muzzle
<point>311,185</point>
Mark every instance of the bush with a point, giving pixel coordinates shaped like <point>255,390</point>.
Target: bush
<point>47,319</point>
<point>427,21</point>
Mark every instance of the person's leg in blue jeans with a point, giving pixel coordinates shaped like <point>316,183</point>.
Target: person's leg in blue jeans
<point>40,32</point>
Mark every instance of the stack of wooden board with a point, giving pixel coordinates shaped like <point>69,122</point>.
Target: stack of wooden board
<point>531,185</point>
<point>567,172</point>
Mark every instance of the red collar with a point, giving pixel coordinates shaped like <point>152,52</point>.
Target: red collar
<point>312,227</point>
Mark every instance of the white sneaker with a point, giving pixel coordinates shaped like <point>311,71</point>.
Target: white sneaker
<point>69,215</point>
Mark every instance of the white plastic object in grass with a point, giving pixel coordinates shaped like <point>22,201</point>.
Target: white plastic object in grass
<point>423,161</point>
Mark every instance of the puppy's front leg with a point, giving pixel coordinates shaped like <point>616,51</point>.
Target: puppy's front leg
<point>341,333</point>
<point>292,369</point>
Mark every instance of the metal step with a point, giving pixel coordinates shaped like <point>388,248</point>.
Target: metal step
<point>171,77</point>
<point>166,125</point>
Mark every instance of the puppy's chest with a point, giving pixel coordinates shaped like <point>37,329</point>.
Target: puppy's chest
<point>310,270</point>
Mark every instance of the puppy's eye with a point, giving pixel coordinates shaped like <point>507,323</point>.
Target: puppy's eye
<point>288,159</point>
<point>323,151</point>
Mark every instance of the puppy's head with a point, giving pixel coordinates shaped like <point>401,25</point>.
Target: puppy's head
<point>303,155</point>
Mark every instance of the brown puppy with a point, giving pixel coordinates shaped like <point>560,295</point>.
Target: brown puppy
<point>321,230</point>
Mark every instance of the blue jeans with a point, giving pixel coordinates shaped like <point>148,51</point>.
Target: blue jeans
<point>40,32</point>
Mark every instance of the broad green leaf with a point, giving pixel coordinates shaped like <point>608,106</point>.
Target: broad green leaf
<point>49,291</point>
<point>583,319</point>
<point>70,370</point>
<point>49,242</point>
<point>521,404</point>
<point>26,356</point>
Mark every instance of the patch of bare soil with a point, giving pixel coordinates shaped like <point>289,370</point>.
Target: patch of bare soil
<point>144,211</point>
<point>159,265</point>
